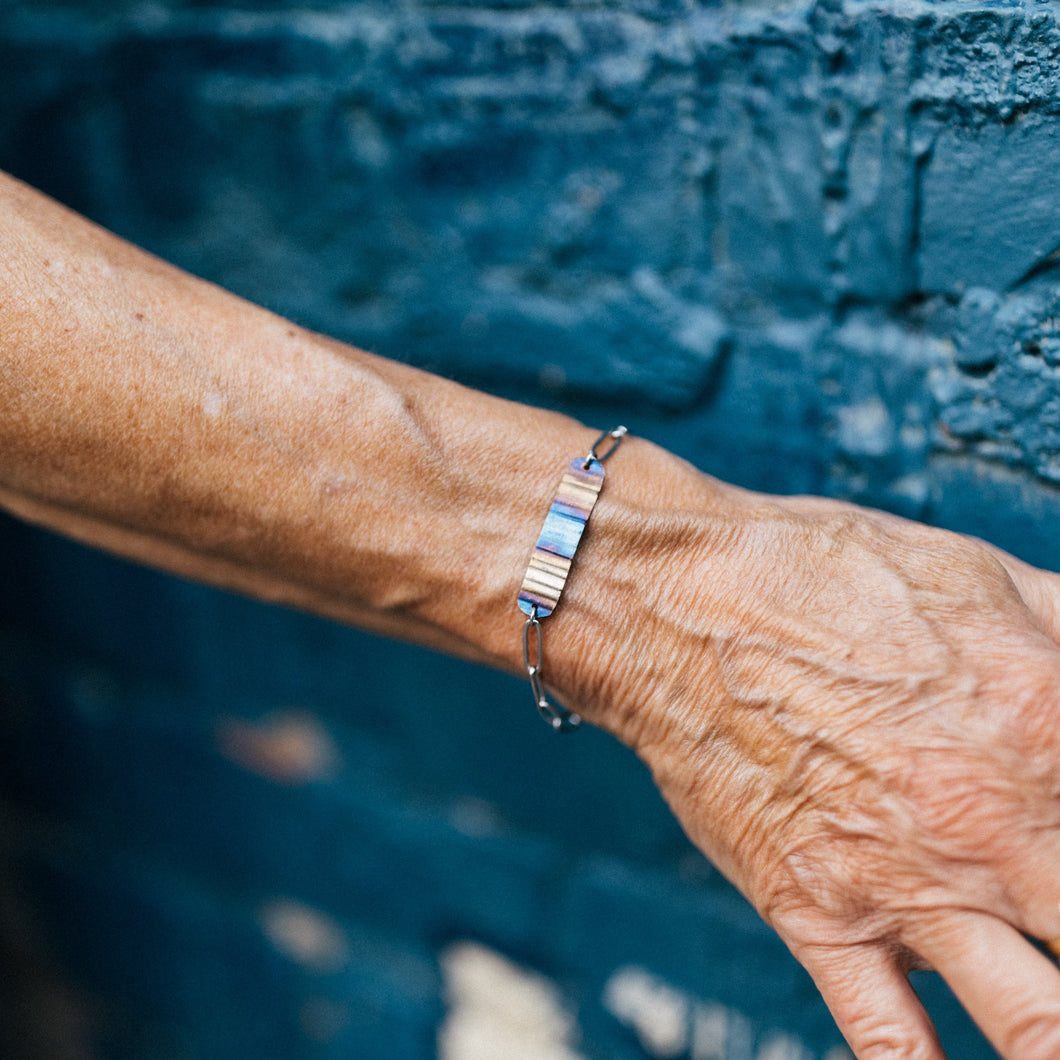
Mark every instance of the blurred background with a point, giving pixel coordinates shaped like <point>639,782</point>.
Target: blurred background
<point>813,247</point>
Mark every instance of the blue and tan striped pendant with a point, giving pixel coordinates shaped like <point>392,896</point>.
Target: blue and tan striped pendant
<point>551,560</point>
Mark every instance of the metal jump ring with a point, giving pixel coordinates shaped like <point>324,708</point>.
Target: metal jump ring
<point>616,434</point>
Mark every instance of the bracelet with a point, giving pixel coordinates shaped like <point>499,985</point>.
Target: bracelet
<point>551,562</point>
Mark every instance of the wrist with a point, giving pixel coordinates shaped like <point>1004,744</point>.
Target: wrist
<point>639,602</point>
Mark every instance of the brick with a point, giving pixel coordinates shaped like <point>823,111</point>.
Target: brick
<point>981,185</point>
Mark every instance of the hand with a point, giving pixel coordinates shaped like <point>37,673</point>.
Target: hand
<point>858,719</point>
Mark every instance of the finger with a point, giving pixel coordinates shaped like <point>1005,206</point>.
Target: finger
<point>874,1006</point>
<point>1008,987</point>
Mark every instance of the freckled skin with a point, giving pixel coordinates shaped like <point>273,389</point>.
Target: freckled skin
<point>856,717</point>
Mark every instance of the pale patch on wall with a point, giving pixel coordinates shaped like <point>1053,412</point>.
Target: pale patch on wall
<point>659,1013</point>
<point>288,747</point>
<point>671,1023</point>
<point>501,1011</point>
<point>304,934</point>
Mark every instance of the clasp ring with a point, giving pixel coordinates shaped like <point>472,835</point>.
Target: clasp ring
<point>616,434</point>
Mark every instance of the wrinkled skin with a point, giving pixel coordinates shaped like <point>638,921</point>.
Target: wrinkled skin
<point>878,763</point>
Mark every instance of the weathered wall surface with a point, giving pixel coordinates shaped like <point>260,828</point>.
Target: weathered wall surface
<point>813,247</point>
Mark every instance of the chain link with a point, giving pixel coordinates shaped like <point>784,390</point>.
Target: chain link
<point>557,715</point>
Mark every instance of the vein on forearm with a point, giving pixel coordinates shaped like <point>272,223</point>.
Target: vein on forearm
<point>152,414</point>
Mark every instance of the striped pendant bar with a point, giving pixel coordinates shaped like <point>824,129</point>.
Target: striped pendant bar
<point>551,560</point>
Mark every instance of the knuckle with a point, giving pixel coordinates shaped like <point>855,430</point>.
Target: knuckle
<point>1034,1034</point>
<point>894,1042</point>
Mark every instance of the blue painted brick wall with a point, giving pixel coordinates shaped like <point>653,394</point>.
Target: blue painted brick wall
<point>811,246</point>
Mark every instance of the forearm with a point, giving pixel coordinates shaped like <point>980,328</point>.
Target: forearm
<point>147,412</point>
